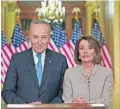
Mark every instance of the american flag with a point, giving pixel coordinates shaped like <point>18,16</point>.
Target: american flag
<point>61,42</point>
<point>6,54</point>
<point>106,59</point>
<point>18,44</point>
<point>18,39</point>
<point>76,34</point>
<point>52,44</point>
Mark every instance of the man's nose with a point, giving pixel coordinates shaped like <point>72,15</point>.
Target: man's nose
<point>39,40</point>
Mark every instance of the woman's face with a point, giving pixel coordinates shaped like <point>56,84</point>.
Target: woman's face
<point>87,53</point>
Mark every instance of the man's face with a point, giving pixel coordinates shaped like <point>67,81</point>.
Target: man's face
<point>39,37</point>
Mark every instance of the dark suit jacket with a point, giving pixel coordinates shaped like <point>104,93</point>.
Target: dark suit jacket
<point>21,84</point>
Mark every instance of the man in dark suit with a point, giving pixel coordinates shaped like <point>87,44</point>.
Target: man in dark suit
<point>23,83</point>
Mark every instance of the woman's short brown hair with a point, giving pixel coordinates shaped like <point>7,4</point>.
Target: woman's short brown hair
<point>94,44</point>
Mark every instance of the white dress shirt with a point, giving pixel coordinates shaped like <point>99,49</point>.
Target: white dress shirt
<point>42,58</point>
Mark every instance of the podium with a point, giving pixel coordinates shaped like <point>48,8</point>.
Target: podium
<point>56,106</point>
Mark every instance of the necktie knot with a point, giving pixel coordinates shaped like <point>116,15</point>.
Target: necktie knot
<point>39,56</point>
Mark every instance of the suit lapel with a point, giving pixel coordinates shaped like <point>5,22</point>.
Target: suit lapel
<point>31,66</point>
<point>47,66</point>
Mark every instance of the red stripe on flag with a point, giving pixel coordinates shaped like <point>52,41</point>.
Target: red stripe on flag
<point>106,59</point>
<point>11,49</point>
<point>5,64</point>
<point>20,48</point>
<point>3,69</point>
<point>51,47</point>
<point>25,45</point>
<point>70,48</point>
<point>67,55</point>
<point>3,51</point>
<point>102,62</point>
<point>2,81</point>
<point>107,53</point>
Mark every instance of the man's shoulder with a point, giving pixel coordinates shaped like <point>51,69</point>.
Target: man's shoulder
<point>22,53</point>
<point>56,54</point>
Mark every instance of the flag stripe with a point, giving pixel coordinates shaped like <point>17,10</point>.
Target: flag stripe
<point>18,44</point>
<point>5,53</point>
<point>60,41</point>
<point>102,60</point>
<point>106,50</point>
<point>25,45</point>
<point>69,62</point>
<point>2,80</point>
<point>76,34</point>
<point>2,68</point>
<point>12,49</point>
<point>3,73</point>
<point>96,32</point>
<point>18,49</point>
<point>106,58</point>
<point>52,46</point>
<point>4,64</point>
<point>65,50</point>
<point>71,49</point>
<point>5,58</point>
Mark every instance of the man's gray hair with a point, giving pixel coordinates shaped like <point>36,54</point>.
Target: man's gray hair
<point>38,22</point>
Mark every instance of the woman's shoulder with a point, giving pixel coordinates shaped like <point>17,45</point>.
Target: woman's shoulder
<point>104,70</point>
<point>72,70</point>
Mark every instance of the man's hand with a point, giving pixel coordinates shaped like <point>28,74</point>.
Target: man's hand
<point>37,102</point>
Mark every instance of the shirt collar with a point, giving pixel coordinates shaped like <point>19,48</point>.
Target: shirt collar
<point>34,53</point>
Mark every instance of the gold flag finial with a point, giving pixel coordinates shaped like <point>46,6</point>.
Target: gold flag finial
<point>17,11</point>
<point>38,11</point>
<point>76,10</point>
<point>96,13</point>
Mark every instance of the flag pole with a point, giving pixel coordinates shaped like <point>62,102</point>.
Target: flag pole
<point>17,11</point>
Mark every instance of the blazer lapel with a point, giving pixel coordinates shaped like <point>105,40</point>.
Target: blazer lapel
<point>93,72</point>
<point>47,66</point>
<point>31,66</point>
